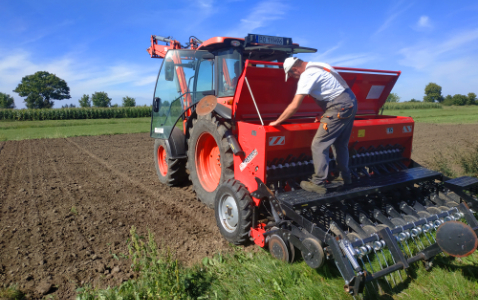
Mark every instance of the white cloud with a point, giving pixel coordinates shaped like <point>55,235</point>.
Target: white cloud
<point>424,22</point>
<point>82,76</point>
<point>205,3</point>
<point>429,53</point>
<point>343,60</point>
<point>397,11</point>
<point>262,15</point>
<point>451,63</point>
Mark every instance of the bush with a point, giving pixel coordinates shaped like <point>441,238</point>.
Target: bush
<point>101,99</point>
<point>129,102</point>
<point>459,99</point>
<point>6,101</point>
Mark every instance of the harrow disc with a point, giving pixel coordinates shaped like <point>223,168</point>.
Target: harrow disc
<point>278,248</point>
<point>315,258</point>
<point>456,239</point>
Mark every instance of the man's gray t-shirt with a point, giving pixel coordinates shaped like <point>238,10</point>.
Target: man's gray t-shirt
<point>318,83</point>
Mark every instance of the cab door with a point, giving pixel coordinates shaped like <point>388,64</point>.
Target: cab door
<point>174,92</point>
<point>204,83</point>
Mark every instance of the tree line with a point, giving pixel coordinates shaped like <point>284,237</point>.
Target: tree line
<point>433,94</point>
<point>41,88</point>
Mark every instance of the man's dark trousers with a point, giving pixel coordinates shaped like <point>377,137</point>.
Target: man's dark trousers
<point>335,128</point>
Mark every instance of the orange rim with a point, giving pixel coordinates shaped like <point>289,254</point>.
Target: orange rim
<point>208,162</point>
<point>162,163</point>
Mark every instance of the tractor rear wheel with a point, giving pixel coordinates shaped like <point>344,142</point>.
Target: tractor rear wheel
<point>170,171</point>
<point>210,159</point>
<point>233,211</point>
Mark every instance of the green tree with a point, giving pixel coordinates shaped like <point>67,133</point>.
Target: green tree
<point>393,97</point>
<point>85,101</point>
<point>68,106</point>
<point>129,102</point>
<point>101,99</point>
<point>433,93</point>
<point>6,101</point>
<point>459,99</point>
<point>414,100</point>
<point>471,99</point>
<point>448,100</point>
<point>41,88</point>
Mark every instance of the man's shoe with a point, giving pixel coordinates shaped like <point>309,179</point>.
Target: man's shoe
<point>312,187</point>
<point>339,179</point>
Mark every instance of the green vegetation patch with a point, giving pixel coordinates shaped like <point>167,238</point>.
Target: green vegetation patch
<point>447,115</point>
<point>68,128</point>
<point>75,113</point>
<point>245,275</point>
<point>410,105</point>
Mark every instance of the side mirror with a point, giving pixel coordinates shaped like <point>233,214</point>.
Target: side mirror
<point>169,70</point>
<point>156,104</point>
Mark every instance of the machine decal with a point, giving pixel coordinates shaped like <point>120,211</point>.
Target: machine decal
<point>276,140</point>
<point>389,130</point>
<point>158,130</point>
<point>361,133</point>
<point>248,159</point>
<point>407,129</point>
<point>375,91</point>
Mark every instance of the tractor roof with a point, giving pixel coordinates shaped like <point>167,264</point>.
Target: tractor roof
<point>226,42</point>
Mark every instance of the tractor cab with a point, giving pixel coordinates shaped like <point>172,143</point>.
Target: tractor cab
<point>212,68</point>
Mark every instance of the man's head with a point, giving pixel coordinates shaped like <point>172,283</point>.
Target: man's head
<point>294,67</point>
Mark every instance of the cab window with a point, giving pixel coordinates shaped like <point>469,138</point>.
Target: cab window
<point>229,69</point>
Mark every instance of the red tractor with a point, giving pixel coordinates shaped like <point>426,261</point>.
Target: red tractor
<point>212,103</point>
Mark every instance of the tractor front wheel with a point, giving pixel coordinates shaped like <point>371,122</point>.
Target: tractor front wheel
<point>170,171</point>
<point>233,211</point>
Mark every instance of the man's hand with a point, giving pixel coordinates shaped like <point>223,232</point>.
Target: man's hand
<point>275,123</point>
<point>290,110</point>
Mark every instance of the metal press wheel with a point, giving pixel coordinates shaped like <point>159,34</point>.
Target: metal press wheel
<point>233,211</point>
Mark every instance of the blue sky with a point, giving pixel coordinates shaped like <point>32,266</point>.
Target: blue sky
<point>101,45</point>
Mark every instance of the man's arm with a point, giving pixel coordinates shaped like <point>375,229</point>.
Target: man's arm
<point>290,110</point>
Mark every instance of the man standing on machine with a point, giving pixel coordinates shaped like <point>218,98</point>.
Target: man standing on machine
<point>332,94</point>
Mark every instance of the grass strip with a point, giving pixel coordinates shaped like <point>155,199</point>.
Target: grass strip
<point>245,275</point>
<point>447,115</point>
<point>69,128</point>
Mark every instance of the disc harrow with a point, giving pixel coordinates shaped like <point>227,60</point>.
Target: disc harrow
<point>379,227</point>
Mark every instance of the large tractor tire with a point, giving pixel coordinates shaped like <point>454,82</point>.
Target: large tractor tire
<point>233,211</point>
<point>170,171</point>
<point>210,159</point>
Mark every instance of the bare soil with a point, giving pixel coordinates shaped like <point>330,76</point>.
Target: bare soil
<point>67,205</point>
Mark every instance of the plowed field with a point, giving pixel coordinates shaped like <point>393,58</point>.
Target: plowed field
<point>67,204</point>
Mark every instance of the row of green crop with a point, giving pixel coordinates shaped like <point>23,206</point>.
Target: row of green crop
<point>75,113</point>
<point>411,105</point>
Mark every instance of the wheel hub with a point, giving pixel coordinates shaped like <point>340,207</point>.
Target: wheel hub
<point>162,161</point>
<point>208,162</point>
<point>228,213</point>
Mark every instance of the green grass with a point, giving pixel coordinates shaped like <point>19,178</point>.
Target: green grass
<point>21,130</point>
<point>244,275</point>
<point>447,115</point>
<point>11,293</point>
